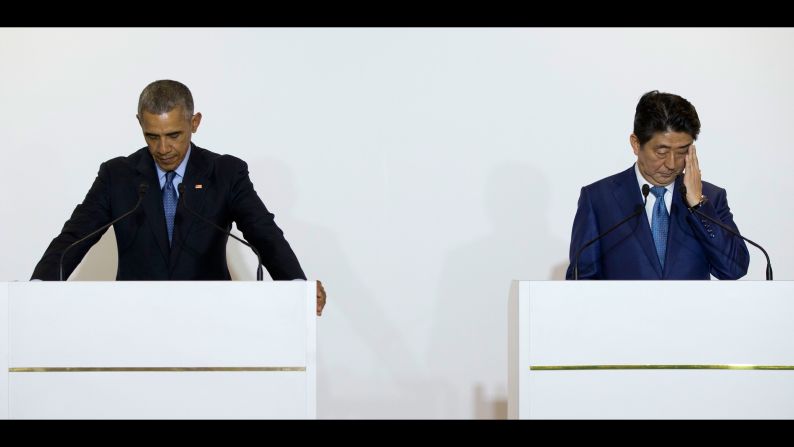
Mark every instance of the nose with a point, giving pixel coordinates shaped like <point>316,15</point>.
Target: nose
<point>161,146</point>
<point>669,161</point>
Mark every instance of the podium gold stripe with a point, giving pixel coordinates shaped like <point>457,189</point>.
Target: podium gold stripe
<point>651,366</point>
<point>165,369</point>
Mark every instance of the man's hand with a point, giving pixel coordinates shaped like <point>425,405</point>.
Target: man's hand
<point>320,298</point>
<point>694,188</point>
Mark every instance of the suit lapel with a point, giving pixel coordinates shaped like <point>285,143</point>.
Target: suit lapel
<point>153,202</point>
<point>628,196</point>
<point>195,174</point>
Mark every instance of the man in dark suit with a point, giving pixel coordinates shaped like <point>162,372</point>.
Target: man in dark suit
<point>161,240</point>
<point>668,240</point>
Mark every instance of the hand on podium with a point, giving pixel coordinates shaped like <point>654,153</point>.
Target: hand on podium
<point>320,298</point>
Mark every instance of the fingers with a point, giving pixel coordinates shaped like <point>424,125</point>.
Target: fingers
<point>693,158</point>
<point>695,164</point>
<point>321,298</point>
<point>688,167</point>
<point>692,166</point>
<point>692,177</point>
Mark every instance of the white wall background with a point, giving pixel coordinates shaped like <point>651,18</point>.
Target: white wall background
<point>415,171</point>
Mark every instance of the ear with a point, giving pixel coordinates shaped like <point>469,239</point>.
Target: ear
<point>635,143</point>
<point>195,121</point>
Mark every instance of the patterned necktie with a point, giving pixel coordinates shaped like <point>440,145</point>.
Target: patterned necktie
<point>660,222</point>
<point>169,203</point>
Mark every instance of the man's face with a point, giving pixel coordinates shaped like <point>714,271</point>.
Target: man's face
<point>663,157</point>
<point>168,135</point>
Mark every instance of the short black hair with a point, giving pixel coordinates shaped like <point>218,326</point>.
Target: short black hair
<point>664,112</point>
<point>163,96</point>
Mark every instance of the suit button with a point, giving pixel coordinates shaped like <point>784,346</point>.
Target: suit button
<point>712,235</point>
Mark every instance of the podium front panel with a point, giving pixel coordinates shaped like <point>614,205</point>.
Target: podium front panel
<point>652,349</point>
<point>189,349</point>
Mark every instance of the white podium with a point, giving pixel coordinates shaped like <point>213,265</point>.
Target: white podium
<point>176,350</point>
<point>651,349</point>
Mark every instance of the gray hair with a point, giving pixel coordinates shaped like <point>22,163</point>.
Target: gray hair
<point>163,96</point>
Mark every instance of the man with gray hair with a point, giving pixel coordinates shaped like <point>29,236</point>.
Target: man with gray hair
<point>163,241</point>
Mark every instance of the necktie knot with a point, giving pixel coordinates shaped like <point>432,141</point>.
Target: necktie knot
<point>169,178</point>
<point>658,191</point>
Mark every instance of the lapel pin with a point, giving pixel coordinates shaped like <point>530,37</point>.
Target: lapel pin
<point>199,186</point>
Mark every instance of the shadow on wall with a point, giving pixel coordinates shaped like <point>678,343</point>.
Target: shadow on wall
<point>366,369</point>
<point>489,407</point>
<point>101,262</point>
<point>469,335</point>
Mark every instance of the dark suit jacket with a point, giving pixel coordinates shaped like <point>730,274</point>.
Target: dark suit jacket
<point>695,247</point>
<point>225,194</point>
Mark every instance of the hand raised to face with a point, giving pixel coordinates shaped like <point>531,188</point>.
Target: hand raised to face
<point>692,181</point>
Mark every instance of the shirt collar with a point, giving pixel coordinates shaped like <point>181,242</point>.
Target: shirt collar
<point>641,181</point>
<point>180,170</point>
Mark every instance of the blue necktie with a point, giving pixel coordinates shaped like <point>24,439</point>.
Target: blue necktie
<point>169,203</point>
<point>660,222</point>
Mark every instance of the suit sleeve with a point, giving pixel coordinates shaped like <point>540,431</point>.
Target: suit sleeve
<point>86,217</point>
<point>259,227</point>
<point>585,228</point>
<point>727,254</point>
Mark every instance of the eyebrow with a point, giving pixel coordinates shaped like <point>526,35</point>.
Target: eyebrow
<point>152,134</point>
<point>664,146</point>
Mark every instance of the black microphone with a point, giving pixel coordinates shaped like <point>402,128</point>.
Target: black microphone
<point>637,211</point>
<point>729,230</point>
<point>142,188</point>
<point>259,273</point>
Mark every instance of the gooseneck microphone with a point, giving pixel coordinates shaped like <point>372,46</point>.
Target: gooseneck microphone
<point>183,200</point>
<point>142,188</point>
<point>637,211</point>
<point>729,230</point>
